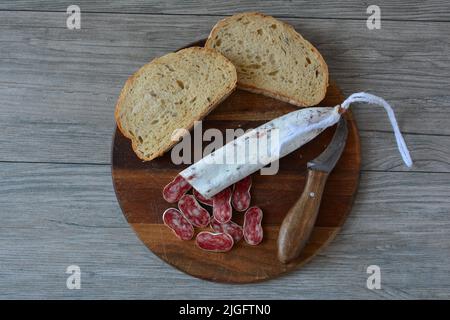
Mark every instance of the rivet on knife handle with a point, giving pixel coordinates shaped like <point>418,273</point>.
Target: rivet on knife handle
<point>299,221</point>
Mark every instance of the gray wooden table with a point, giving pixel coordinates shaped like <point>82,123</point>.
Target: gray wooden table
<point>58,89</point>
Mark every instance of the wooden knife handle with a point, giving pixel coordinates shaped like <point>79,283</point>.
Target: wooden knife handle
<point>299,221</point>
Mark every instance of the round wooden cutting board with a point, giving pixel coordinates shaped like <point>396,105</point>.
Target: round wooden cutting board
<point>139,185</point>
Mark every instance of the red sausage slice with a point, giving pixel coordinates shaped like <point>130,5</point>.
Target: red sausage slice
<point>222,210</point>
<point>193,211</point>
<point>253,232</point>
<point>202,199</point>
<point>179,225</point>
<point>176,189</point>
<point>215,242</point>
<point>241,194</point>
<point>231,228</point>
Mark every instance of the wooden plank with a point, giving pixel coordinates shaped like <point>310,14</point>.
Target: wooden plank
<point>59,87</point>
<point>379,152</point>
<point>394,9</point>
<point>54,216</point>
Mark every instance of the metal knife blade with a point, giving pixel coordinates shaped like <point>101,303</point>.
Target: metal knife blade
<point>329,157</point>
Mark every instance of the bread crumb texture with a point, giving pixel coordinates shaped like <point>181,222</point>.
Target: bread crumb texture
<point>169,93</point>
<point>271,58</point>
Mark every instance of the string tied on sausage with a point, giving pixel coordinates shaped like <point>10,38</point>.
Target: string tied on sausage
<point>282,136</point>
<point>372,99</point>
<point>364,97</point>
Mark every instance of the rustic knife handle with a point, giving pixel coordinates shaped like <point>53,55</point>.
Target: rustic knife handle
<point>299,221</point>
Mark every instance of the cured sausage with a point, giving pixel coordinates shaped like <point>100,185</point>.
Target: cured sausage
<point>179,225</point>
<point>176,189</point>
<point>215,242</point>
<point>241,194</point>
<point>202,199</point>
<point>193,211</point>
<point>231,228</point>
<point>283,135</point>
<point>222,210</point>
<point>253,232</point>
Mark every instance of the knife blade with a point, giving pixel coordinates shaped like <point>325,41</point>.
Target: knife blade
<point>330,156</point>
<point>298,224</point>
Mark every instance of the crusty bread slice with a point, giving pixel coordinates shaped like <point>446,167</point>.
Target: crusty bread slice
<point>169,93</point>
<point>271,58</point>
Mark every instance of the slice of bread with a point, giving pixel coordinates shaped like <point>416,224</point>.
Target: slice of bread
<point>169,93</point>
<point>271,58</point>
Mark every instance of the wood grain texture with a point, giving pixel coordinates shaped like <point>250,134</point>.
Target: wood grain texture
<point>299,221</point>
<point>430,153</point>
<point>354,9</point>
<point>55,215</point>
<point>139,186</point>
<point>60,86</point>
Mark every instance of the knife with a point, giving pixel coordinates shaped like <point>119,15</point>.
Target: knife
<point>299,221</point>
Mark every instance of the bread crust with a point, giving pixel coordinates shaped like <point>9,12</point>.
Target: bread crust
<point>130,81</point>
<point>270,93</point>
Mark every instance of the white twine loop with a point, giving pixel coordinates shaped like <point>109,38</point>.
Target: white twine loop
<point>334,116</point>
<point>370,98</point>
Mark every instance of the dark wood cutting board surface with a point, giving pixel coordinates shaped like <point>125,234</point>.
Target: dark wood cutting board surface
<point>139,185</point>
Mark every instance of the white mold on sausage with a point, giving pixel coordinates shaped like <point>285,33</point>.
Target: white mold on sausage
<point>283,135</point>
